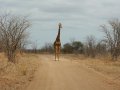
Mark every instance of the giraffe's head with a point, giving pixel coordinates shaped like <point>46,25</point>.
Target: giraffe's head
<point>60,25</point>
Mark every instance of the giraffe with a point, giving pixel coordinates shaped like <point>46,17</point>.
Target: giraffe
<point>57,43</point>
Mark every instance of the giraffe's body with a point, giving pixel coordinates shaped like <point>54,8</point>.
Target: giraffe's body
<point>57,43</point>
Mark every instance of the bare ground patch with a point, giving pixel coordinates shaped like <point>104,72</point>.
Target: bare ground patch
<point>104,65</point>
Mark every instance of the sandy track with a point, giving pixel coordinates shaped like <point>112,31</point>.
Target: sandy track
<point>68,75</point>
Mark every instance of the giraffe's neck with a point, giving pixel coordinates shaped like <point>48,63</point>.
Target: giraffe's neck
<point>59,33</point>
<point>58,36</point>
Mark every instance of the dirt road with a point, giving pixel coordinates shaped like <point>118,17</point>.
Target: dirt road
<point>68,75</point>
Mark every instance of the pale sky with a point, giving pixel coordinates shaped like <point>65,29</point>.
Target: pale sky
<point>79,17</point>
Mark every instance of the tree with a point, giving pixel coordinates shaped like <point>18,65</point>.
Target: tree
<point>112,37</point>
<point>101,48</point>
<point>90,46</point>
<point>67,48</point>
<point>34,47</point>
<point>73,47</point>
<point>77,47</point>
<point>1,49</point>
<point>12,31</point>
<point>48,48</point>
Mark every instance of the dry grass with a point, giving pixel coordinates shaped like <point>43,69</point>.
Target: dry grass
<point>17,76</point>
<point>102,64</point>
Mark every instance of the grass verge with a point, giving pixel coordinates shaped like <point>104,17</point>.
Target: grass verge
<point>17,76</point>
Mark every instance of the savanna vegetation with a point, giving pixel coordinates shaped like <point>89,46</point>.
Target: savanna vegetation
<point>18,64</point>
<point>16,67</point>
<point>108,46</point>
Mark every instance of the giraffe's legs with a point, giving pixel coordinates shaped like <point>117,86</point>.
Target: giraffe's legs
<point>57,52</point>
<point>58,56</point>
<point>55,56</point>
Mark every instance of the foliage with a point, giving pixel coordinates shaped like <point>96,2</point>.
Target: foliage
<point>12,32</point>
<point>112,37</point>
<point>73,47</point>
